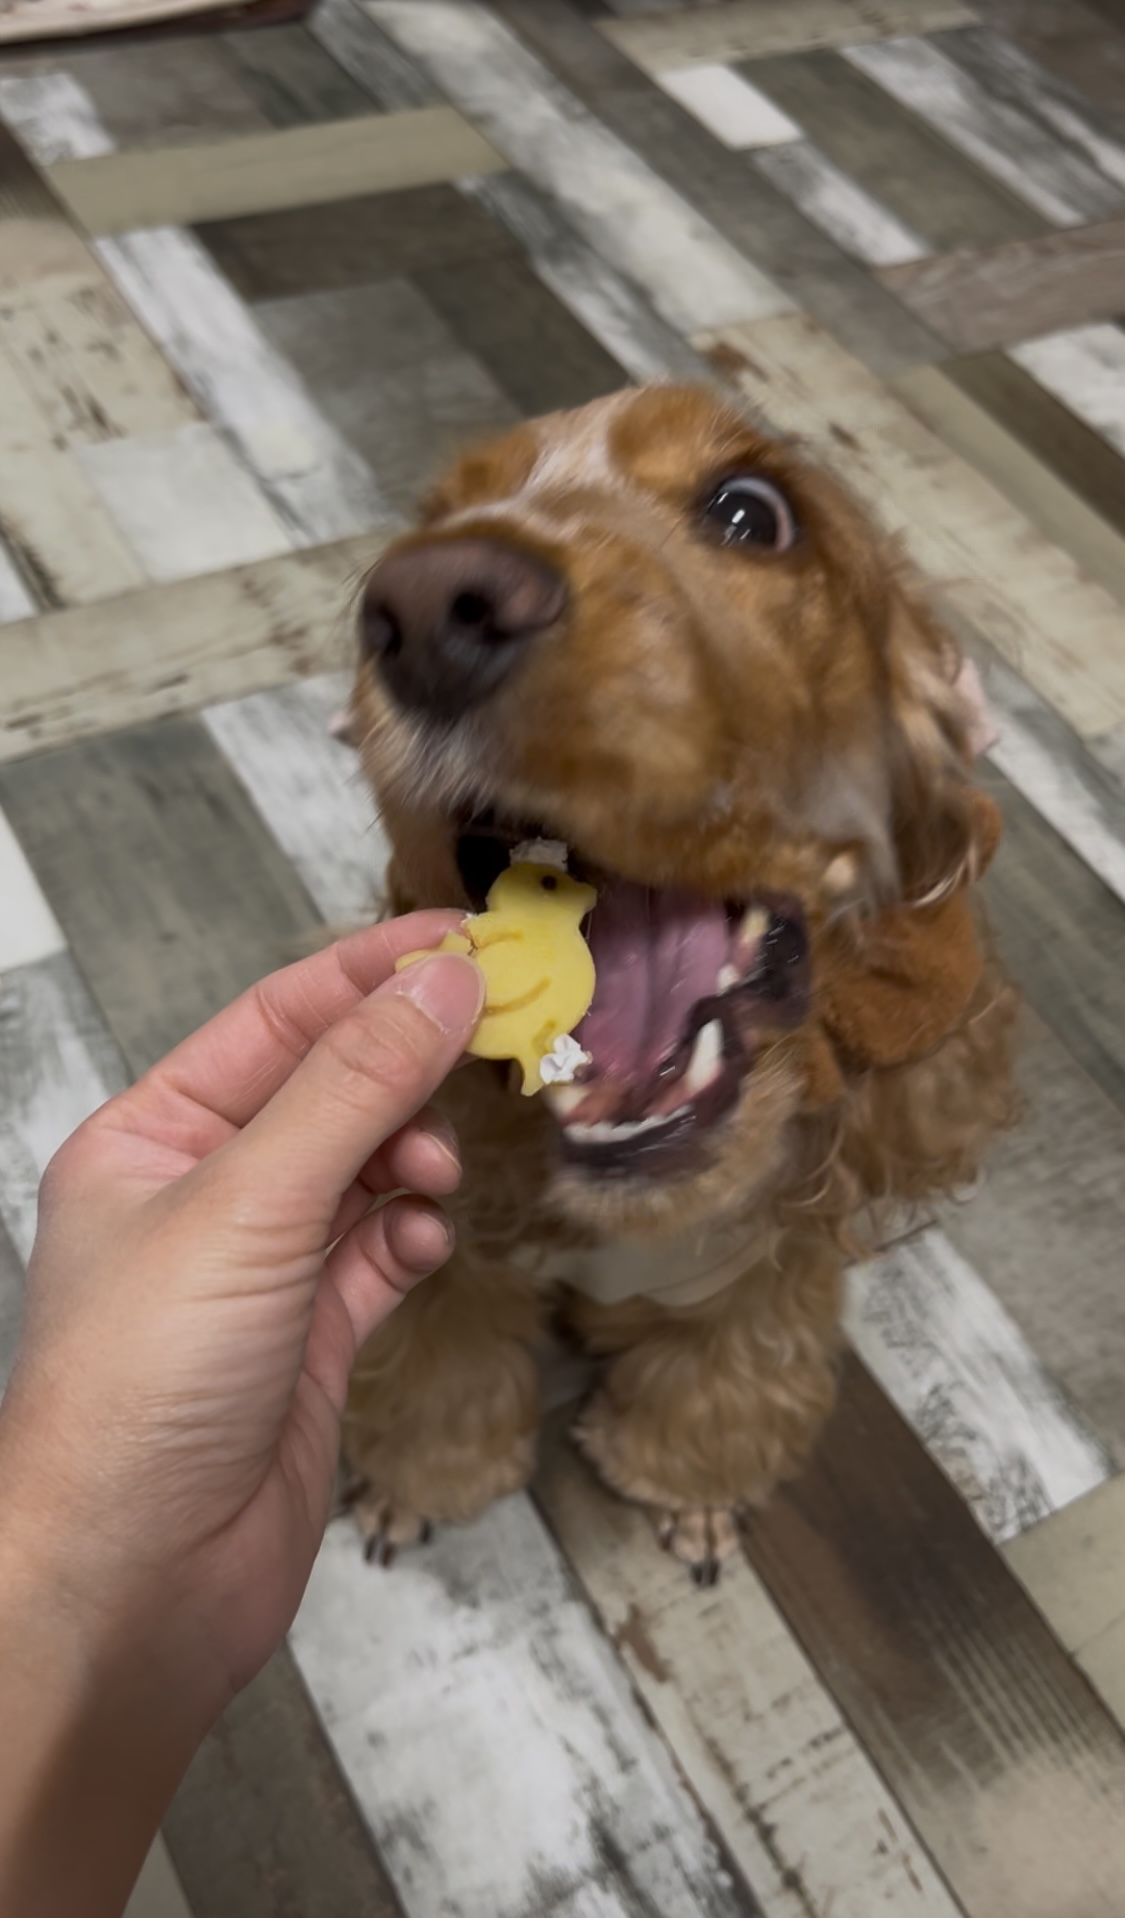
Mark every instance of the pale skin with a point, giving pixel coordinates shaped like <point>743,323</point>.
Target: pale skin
<point>208,1263</point>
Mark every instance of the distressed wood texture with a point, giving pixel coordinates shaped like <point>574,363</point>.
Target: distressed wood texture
<point>731,108</point>
<point>573,1807</point>
<point>28,927</point>
<point>309,791</point>
<point>1011,1770</point>
<point>857,222</point>
<point>999,297</point>
<point>294,166</point>
<point>1075,41</point>
<point>1083,367</point>
<point>1026,596</point>
<point>264,1822</point>
<point>171,894</point>
<point>11,1301</point>
<point>56,1065</point>
<point>1079,456</point>
<point>1028,156</point>
<point>932,187</point>
<point>158,1892</point>
<point>70,674</point>
<point>1049,503</point>
<point>162,92</point>
<point>758,1738</point>
<point>741,29</point>
<point>623,208</point>
<point>291,78</point>
<point>960,1370</point>
<point>319,484</point>
<point>1059,925</point>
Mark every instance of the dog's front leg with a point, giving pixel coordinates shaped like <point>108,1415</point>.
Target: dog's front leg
<point>444,1404</point>
<point>704,1410</point>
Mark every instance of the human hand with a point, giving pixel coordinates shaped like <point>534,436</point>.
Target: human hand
<point>206,1268</point>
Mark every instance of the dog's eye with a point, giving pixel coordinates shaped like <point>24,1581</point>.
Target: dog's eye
<point>746,510</point>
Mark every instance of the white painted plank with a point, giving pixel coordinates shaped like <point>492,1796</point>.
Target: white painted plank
<point>736,113</point>
<point>491,1737</point>
<point>989,564</point>
<point>183,502</point>
<point>607,304</point>
<point>1000,137</point>
<point>852,217</point>
<point>57,1064</point>
<point>52,116</point>
<point>803,1812</point>
<point>309,790</point>
<point>28,928</point>
<point>960,1370</point>
<point>15,600</point>
<point>1083,367</point>
<point>694,277</point>
<point>319,484</point>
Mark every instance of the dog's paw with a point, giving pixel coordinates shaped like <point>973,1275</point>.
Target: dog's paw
<point>387,1527</point>
<point>702,1537</point>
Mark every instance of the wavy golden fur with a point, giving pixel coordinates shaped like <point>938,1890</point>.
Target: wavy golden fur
<point>702,717</point>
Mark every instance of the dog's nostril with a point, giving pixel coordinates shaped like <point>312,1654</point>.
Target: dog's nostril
<point>380,631</point>
<point>473,609</point>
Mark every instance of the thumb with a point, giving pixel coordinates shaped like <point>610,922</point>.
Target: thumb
<point>363,1079</point>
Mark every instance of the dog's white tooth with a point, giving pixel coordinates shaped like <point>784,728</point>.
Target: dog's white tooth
<point>564,1099</point>
<point>755,922</point>
<point>728,978</point>
<point>706,1059</point>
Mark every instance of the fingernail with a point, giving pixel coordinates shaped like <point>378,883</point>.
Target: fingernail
<point>442,1133</point>
<point>429,1237</point>
<point>447,988</point>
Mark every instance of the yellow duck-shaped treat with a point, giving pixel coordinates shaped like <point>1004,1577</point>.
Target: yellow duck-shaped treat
<point>539,974</point>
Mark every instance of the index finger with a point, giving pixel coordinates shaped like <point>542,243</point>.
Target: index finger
<point>234,1065</point>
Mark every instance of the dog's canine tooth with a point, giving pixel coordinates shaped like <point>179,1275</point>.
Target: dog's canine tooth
<point>706,1059</point>
<point>564,1099</point>
<point>755,923</point>
<point>728,978</point>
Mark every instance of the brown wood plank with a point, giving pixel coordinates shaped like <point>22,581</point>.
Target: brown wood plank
<point>893,154</point>
<point>349,243</point>
<point>1062,441</point>
<point>1006,294</point>
<point>163,92</point>
<point>172,895</point>
<point>1073,40</point>
<point>1000,1753</point>
<point>292,80</point>
<point>264,1825</point>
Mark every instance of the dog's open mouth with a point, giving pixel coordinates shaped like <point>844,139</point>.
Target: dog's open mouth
<point>687,989</point>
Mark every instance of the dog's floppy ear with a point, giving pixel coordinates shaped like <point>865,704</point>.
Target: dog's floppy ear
<point>945,829</point>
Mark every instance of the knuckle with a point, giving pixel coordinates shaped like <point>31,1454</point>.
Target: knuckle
<point>389,1050</point>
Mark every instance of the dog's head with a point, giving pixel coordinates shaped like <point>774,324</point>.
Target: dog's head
<point>652,632</point>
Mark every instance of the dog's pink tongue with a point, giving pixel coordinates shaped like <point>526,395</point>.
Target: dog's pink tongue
<point>655,955</point>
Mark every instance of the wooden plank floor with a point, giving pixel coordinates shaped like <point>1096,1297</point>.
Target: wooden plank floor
<point>254,286</point>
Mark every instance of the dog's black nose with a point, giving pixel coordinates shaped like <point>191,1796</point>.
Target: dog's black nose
<point>445,621</point>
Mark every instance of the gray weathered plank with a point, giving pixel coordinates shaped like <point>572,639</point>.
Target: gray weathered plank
<point>884,147</point>
<point>1080,457</point>
<point>28,928</point>
<point>171,893</point>
<point>162,92</point>
<point>616,201</point>
<point>535,350</point>
<point>166,649</point>
<point>1015,146</point>
<point>387,372</point>
<point>11,1302</point>
<point>993,448</point>
<point>1084,367</point>
<point>309,791</point>
<point>353,242</point>
<point>57,1064</point>
<point>290,77</point>
<point>1072,39</point>
<point>1009,74</point>
<point>861,225</point>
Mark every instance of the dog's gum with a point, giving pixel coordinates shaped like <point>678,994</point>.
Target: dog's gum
<point>538,969</point>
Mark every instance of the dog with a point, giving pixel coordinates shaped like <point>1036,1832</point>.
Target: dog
<point>657,633</point>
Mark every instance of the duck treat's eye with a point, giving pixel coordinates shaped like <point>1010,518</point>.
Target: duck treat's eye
<point>746,510</point>
<point>548,884</point>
